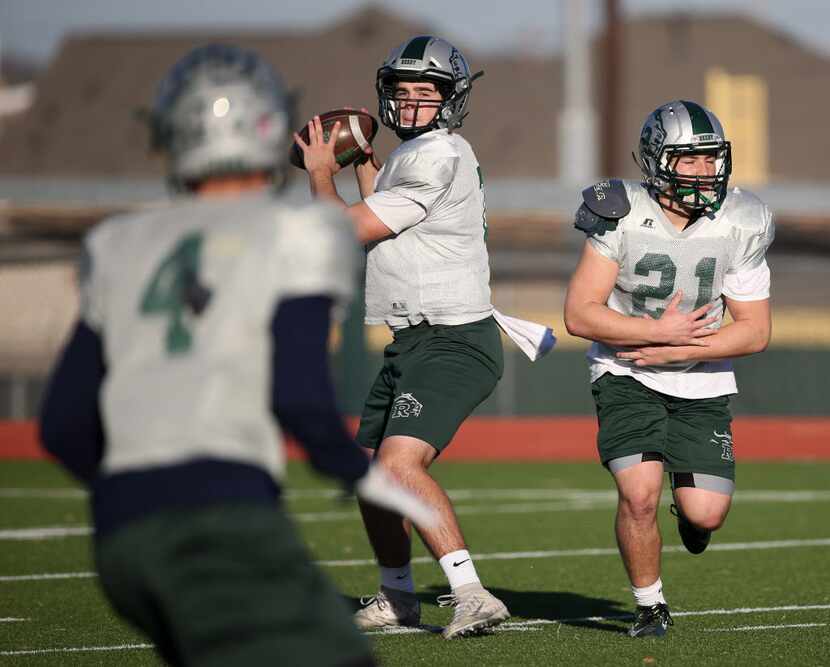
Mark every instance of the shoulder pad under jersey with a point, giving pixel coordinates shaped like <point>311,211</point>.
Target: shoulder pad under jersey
<point>603,205</point>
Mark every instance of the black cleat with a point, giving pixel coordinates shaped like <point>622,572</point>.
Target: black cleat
<point>694,539</point>
<point>653,621</point>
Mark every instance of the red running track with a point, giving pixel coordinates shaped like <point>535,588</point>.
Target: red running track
<point>547,439</point>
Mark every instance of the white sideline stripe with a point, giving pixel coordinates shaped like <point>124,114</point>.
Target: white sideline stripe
<point>80,649</point>
<point>46,533</point>
<point>14,620</point>
<point>569,501</point>
<point>573,503</point>
<point>43,494</point>
<point>535,622</point>
<point>563,553</point>
<point>768,627</point>
<point>43,577</point>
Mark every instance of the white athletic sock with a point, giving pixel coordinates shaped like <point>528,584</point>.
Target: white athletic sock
<point>459,568</point>
<point>399,578</point>
<point>649,595</point>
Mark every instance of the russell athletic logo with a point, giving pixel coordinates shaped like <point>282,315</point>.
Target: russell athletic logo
<point>723,440</point>
<point>405,405</point>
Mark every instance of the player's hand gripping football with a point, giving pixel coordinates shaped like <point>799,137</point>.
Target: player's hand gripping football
<point>379,488</point>
<point>318,153</point>
<point>678,328</point>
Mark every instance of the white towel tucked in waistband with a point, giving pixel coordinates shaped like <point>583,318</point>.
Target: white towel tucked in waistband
<point>535,340</point>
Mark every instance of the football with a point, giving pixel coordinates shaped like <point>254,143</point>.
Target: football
<point>357,129</point>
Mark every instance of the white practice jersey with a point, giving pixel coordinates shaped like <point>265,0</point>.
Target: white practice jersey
<point>183,298</point>
<point>721,255</point>
<point>430,193</point>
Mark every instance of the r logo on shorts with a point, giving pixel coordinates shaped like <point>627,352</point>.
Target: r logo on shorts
<point>405,405</point>
<point>723,440</point>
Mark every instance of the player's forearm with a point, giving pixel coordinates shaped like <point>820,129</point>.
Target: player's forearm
<point>322,187</point>
<point>365,183</point>
<point>737,339</point>
<point>597,322</point>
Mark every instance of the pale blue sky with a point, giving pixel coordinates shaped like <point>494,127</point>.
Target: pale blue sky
<point>34,27</point>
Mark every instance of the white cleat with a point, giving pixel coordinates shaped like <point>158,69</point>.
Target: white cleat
<point>388,608</point>
<point>476,611</point>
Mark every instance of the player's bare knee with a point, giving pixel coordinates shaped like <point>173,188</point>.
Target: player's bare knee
<point>706,516</point>
<point>711,519</point>
<point>639,505</point>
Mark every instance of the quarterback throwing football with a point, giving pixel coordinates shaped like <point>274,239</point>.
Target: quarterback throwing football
<point>663,258</point>
<point>427,277</point>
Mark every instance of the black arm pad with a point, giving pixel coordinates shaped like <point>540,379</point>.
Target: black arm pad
<point>302,395</point>
<point>70,421</point>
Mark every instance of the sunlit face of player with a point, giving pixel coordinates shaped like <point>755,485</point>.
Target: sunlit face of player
<point>696,164</point>
<point>695,171</point>
<point>418,102</point>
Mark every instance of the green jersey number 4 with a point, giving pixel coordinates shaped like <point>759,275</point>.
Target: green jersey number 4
<point>175,289</point>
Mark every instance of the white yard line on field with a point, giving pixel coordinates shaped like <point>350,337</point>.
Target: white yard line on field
<point>44,494</point>
<point>521,626</point>
<point>535,622</point>
<point>44,577</point>
<point>571,501</point>
<point>563,553</point>
<point>767,627</point>
<point>14,620</point>
<point>45,533</point>
<point>79,649</point>
<point>504,555</point>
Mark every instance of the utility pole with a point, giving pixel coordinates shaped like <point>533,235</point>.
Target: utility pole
<point>611,73</point>
<point>577,122</point>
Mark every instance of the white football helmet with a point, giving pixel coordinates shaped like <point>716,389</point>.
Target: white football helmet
<point>221,110</point>
<point>425,58</point>
<point>678,128</point>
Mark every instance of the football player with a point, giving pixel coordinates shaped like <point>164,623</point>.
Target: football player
<point>422,218</point>
<point>200,323</point>
<point>663,257</point>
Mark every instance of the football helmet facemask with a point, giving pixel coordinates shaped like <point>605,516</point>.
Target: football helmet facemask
<point>430,59</point>
<point>682,128</point>
<point>221,110</point>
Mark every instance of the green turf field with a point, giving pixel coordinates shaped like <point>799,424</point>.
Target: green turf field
<point>542,536</point>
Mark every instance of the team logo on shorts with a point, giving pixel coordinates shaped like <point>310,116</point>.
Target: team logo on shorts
<point>723,440</point>
<point>406,405</point>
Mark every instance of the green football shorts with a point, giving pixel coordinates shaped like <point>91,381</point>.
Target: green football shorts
<point>228,584</point>
<point>433,377</point>
<point>693,437</point>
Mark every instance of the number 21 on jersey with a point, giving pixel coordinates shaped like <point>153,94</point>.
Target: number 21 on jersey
<point>662,263</point>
